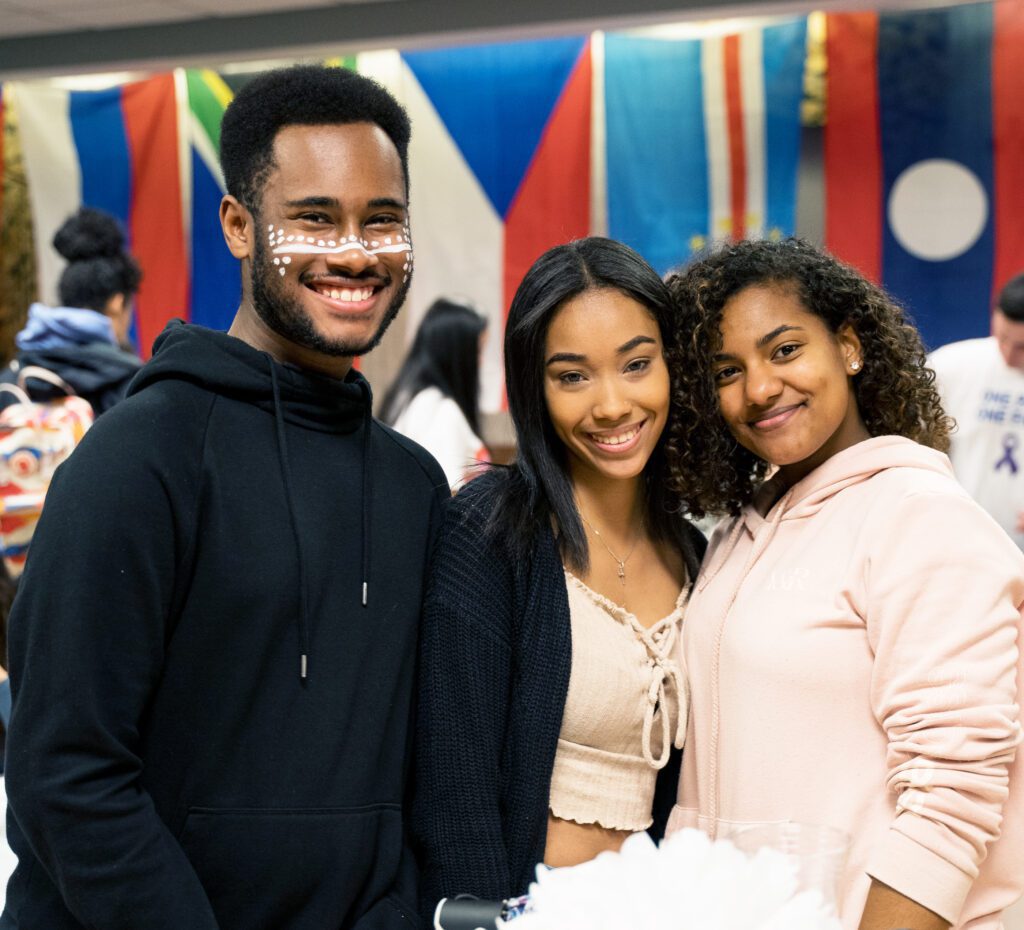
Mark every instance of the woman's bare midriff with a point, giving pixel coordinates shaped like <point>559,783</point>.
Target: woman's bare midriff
<point>570,843</point>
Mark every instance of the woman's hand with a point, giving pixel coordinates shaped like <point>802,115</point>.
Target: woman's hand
<point>887,909</point>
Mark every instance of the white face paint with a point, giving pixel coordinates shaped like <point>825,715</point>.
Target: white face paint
<point>281,246</point>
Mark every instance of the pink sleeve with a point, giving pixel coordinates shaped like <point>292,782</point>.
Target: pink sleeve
<point>944,585</point>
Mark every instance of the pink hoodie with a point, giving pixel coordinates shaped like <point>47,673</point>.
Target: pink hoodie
<point>852,659</point>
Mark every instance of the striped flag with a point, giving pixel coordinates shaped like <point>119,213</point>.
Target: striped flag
<point>923,157</point>
<point>116,150</point>
<point>499,168</point>
<point>702,138</point>
<point>215,280</point>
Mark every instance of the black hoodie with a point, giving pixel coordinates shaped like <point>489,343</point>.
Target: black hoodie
<point>233,526</point>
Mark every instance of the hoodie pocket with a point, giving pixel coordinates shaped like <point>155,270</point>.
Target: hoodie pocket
<point>293,869</point>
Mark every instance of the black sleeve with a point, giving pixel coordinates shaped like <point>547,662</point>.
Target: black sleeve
<point>87,637</point>
<point>465,671</point>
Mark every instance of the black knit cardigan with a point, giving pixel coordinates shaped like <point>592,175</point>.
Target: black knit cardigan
<point>494,671</point>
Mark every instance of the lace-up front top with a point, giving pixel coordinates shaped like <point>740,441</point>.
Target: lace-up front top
<point>625,708</point>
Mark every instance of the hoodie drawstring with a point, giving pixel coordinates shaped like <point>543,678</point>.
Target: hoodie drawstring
<point>367,485</point>
<point>286,476</point>
<point>367,489</point>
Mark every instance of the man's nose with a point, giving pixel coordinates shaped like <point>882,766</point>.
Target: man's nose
<point>354,257</point>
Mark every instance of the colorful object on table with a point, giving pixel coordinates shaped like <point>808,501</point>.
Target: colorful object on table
<point>924,179</point>
<point>34,439</point>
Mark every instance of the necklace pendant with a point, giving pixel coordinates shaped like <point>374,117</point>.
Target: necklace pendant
<point>622,574</point>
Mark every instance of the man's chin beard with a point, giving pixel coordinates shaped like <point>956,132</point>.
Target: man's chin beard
<point>287,320</point>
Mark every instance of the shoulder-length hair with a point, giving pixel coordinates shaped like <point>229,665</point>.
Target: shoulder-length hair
<point>538,491</point>
<point>895,390</point>
<point>445,354</point>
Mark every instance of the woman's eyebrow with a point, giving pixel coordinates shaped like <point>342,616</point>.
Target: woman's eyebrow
<point>778,331</point>
<point>565,357</point>
<point>633,343</point>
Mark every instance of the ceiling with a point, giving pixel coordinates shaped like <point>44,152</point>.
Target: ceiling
<point>58,37</point>
<point>47,37</point>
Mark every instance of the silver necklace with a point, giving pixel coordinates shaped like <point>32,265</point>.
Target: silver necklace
<point>621,563</point>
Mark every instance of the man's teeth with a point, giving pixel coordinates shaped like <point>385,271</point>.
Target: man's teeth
<point>347,294</point>
<point>618,439</point>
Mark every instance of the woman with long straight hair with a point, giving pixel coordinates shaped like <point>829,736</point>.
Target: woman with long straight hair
<point>551,697</point>
<point>435,400</point>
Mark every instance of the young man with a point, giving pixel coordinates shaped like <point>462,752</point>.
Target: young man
<point>982,386</point>
<point>214,647</point>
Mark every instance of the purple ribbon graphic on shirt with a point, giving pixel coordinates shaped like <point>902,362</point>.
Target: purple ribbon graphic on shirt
<point>1010,443</point>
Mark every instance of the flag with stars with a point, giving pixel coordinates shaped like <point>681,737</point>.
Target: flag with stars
<point>702,138</point>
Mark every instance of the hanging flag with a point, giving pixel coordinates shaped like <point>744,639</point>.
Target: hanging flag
<point>215,277</point>
<point>499,169</point>
<point>923,168</point>
<point>116,150</point>
<point>702,138</point>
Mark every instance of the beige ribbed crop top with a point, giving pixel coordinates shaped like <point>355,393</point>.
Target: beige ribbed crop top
<point>625,708</point>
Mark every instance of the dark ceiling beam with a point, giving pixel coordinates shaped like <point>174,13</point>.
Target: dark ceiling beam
<point>346,27</point>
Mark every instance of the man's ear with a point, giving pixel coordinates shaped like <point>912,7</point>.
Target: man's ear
<point>239,227</point>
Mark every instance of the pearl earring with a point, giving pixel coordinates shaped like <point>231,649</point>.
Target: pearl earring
<point>854,366</point>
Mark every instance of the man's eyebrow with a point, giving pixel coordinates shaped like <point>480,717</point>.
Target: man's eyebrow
<point>387,202</point>
<point>565,357</point>
<point>314,202</point>
<point>633,343</point>
<point>778,331</point>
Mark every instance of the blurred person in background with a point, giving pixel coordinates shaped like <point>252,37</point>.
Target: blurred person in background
<point>982,386</point>
<point>85,340</point>
<point>435,397</point>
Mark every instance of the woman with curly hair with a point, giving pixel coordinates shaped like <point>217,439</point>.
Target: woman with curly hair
<point>551,706</point>
<point>851,641</point>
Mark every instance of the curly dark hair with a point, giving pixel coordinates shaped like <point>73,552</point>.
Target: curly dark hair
<point>895,391</point>
<point>302,95</point>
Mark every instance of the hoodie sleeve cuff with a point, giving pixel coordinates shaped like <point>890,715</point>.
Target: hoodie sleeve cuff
<point>919,874</point>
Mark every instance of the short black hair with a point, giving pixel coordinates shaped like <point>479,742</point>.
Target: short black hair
<point>302,95</point>
<point>1011,299</point>
<point>98,267</point>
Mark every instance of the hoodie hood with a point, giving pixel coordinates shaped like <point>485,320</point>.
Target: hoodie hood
<point>230,367</point>
<point>858,463</point>
<point>851,466</point>
<point>62,327</point>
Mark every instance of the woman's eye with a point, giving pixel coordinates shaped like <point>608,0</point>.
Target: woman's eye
<point>724,374</point>
<point>638,364</point>
<point>787,350</point>
<point>570,377</point>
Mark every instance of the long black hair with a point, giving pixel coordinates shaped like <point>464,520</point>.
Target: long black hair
<point>538,488</point>
<point>445,355</point>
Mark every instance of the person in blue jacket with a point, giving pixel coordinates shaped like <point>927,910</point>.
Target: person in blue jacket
<point>85,340</point>
<point>214,644</point>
